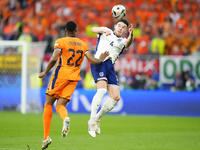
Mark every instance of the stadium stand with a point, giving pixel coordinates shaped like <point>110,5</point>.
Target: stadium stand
<point>176,23</point>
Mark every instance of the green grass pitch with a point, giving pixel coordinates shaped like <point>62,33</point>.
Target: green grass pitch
<point>18,131</point>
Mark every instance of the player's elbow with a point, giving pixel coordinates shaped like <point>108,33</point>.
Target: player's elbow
<point>93,29</point>
<point>127,44</point>
<point>95,62</point>
<point>53,59</point>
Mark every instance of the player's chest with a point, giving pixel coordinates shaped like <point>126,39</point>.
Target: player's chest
<point>112,41</point>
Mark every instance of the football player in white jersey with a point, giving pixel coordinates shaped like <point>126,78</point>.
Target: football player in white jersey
<point>104,73</point>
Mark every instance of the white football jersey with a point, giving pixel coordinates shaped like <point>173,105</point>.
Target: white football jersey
<point>112,43</point>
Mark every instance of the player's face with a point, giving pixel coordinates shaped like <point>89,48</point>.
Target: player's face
<point>120,29</point>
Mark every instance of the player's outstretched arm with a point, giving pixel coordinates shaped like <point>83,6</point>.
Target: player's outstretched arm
<point>129,40</point>
<point>96,61</point>
<point>51,63</point>
<point>100,30</point>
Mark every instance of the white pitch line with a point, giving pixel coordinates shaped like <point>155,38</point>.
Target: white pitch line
<point>13,149</point>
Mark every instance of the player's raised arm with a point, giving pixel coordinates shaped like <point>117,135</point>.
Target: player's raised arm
<point>96,61</point>
<point>129,40</point>
<point>101,30</point>
<point>51,63</point>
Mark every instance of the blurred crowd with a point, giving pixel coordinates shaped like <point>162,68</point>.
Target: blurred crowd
<point>161,27</point>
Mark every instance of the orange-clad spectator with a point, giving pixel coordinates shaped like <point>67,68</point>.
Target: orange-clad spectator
<point>29,9</point>
<point>167,25</point>
<point>170,41</point>
<point>196,19</point>
<point>18,10</point>
<point>142,43</point>
<point>176,51</point>
<point>182,22</point>
<point>173,3</point>
<point>40,26</point>
<point>6,11</point>
<point>137,3</point>
<point>100,5</point>
<point>195,45</point>
<point>158,5</point>
<point>91,14</point>
<point>131,15</point>
<point>185,41</point>
<point>151,11</point>
<point>142,12</point>
<point>167,4</point>
<point>51,16</point>
<point>105,20</point>
<point>129,5</point>
<point>194,6</point>
<point>151,27</point>
<point>187,13</point>
<point>162,15</point>
<point>191,30</point>
<point>180,6</point>
<point>29,20</point>
<point>10,28</point>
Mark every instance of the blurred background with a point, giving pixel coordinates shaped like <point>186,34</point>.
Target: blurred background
<point>163,62</point>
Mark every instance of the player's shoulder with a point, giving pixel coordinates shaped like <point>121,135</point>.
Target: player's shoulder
<point>59,40</point>
<point>81,42</point>
<point>62,40</point>
<point>105,28</point>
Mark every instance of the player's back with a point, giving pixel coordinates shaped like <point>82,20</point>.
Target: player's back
<point>72,54</point>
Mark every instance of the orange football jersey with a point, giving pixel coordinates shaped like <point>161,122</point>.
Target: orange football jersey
<point>72,55</point>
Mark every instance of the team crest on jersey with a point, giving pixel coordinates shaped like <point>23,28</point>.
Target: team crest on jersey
<point>101,74</point>
<point>119,40</point>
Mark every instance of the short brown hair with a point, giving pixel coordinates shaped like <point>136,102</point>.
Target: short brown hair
<point>122,20</point>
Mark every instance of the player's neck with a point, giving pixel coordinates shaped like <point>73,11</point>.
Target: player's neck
<point>70,34</point>
<point>116,35</point>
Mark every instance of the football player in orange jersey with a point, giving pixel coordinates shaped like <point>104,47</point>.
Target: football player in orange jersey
<point>70,52</point>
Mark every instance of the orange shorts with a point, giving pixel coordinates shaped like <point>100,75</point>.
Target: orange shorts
<point>61,88</point>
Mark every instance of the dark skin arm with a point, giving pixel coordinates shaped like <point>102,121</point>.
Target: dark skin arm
<point>95,61</point>
<point>51,63</point>
<point>88,55</point>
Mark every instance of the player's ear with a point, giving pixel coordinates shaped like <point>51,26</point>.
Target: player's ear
<point>76,30</point>
<point>115,26</point>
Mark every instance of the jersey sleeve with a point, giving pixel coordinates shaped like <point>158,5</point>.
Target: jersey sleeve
<point>86,48</point>
<point>58,45</point>
<point>102,28</point>
<point>123,44</point>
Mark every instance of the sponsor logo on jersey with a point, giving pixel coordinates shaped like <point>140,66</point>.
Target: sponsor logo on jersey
<point>56,44</point>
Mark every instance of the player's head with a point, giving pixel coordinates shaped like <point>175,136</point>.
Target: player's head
<point>70,27</point>
<point>121,27</point>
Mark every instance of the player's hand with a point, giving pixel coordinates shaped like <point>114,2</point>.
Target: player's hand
<point>131,30</point>
<point>104,55</point>
<point>42,74</point>
<point>107,32</point>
